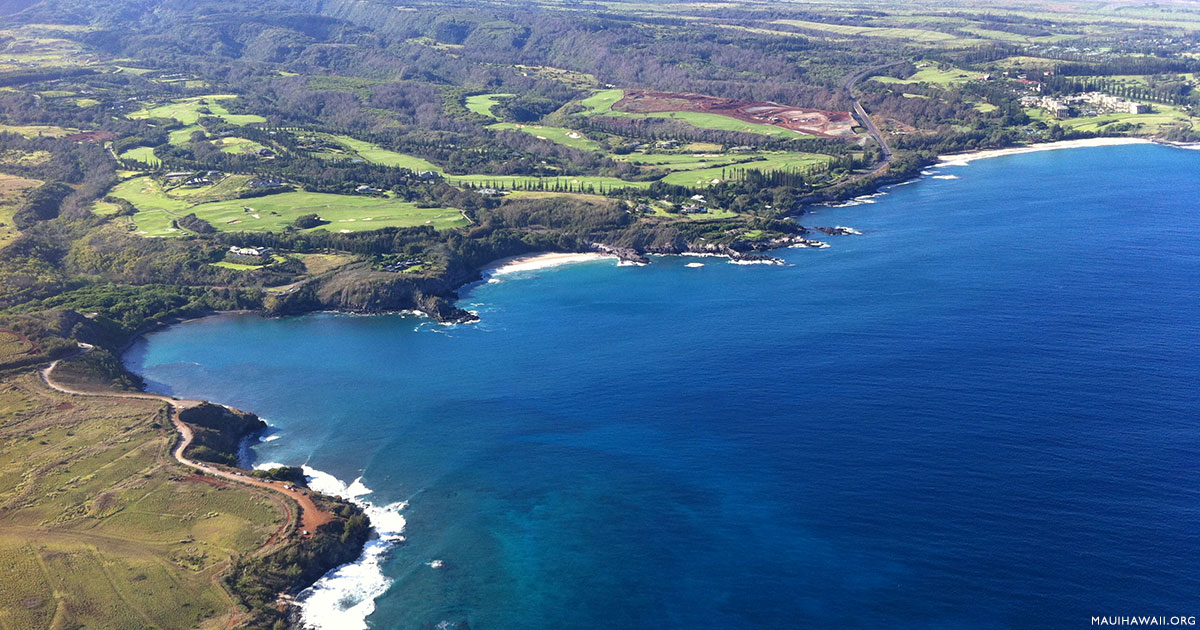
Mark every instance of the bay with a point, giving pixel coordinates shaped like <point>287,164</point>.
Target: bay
<point>982,412</point>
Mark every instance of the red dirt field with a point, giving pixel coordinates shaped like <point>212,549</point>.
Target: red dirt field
<point>816,122</point>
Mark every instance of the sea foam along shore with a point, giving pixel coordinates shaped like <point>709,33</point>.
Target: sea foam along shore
<point>962,159</point>
<point>531,262</point>
<point>343,598</point>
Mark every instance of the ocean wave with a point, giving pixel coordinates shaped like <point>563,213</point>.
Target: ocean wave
<point>858,201</point>
<point>269,438</point>
<point>694,264</point>
<point>945,176</point>
<point>345,597</point>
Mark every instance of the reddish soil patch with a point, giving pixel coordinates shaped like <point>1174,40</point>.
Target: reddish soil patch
<point>212,481</point>
<point>93,136</point>
<point>64,406</point>
<point>817,122</point>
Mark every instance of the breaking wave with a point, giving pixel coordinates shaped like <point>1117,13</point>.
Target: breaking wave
<point>345,597</point>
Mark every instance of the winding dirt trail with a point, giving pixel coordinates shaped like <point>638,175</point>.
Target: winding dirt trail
<point>311,517</point>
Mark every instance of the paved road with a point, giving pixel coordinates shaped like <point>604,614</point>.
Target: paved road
<point>311,517</point>
<point>861,112</point>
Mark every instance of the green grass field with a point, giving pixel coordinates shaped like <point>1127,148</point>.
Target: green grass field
<point>34,131</point>
<point>1147,123</point>
<point>600,102</point>
<point>770,162</point>
<point>182,136</point>
<point>141,154</point>
<point>930,73</point>
<point>188,110</point>
<point>561,135</point>
<point>378,155</point>
<point>345,213</point>
<point>482,103</point>
<point>699,171</point>
<point>237,145</point>
<point>105,530</point>
<point>224,264</point>
<point>912,34</point>
<point>104,208</point>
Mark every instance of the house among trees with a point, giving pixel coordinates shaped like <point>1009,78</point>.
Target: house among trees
<point>265,182</point>
<point>257,254</point>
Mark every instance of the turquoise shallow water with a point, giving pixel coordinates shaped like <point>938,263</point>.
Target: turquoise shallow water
<point>980,413</point>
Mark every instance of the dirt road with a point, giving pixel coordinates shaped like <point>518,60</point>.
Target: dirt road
<point>311,517</point>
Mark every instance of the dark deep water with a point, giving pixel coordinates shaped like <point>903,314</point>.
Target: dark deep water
<point>981,413</point>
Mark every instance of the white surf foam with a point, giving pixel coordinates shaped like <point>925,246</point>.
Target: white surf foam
<point>964,159</point>
<point>694,265</point>
<point>945,176</point>
<point>537,262</point>
<point>345,597</point>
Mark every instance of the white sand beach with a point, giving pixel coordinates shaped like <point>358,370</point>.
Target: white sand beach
<point>530,262</point>
<point>962,159</point>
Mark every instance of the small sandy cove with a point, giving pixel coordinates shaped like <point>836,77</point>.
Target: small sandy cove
<point>529,262</point>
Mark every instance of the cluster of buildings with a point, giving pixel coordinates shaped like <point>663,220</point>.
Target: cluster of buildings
<point>190,178</point>
<point>257,253</point>
<point>695,208</point>
<point>401,265</point>
<point>1087,104</point>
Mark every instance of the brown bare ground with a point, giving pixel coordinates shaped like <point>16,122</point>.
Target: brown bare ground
<point>817,122</point>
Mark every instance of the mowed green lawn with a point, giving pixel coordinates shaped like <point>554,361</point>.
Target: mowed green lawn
<point>187,110</point>
<point>237,145</point>
<point>345,213</point>
<point>706,172</point>
<point>141,154</point>
<point>378,155</point>
<point>273,213</point>
<point>182,136</point>
<point>482,103</point>
<point>600,103</point>
<point>561,135</point>
<point>1148,123</point>
<point>770,162</point>
<point>930,73</point>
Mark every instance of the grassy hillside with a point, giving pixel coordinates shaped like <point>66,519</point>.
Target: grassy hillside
<point>97,518</point>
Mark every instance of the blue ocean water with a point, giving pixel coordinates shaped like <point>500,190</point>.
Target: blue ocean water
<point>981,413</point>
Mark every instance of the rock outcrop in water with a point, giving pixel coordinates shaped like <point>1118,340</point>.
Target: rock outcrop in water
<point>218,432</point>
<point>365,290</point>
